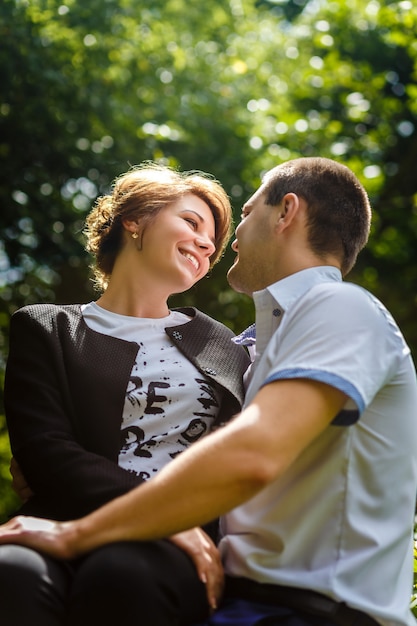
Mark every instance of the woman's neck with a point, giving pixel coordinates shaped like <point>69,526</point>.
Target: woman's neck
<point>129,302</point>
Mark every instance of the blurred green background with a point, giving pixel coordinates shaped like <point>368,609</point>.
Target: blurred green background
<point>232,87</point>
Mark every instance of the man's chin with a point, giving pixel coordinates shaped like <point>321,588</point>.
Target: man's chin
<point>234,282</point>
<point>230,277</point>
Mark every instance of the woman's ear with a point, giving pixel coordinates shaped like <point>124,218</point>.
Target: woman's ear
<point>131,226</point>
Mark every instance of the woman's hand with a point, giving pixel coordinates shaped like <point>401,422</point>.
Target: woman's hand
<point>206,558</point>
<point>19,483</point>
<point>53,538</point>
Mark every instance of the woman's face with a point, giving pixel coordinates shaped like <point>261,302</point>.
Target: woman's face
<point>178,244</point>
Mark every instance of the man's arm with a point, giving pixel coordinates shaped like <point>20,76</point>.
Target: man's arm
<point>215,475</point>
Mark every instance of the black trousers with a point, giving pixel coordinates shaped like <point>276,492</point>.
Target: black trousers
<point>146,584</point>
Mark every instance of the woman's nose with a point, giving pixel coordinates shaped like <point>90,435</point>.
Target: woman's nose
<point>206,244</point>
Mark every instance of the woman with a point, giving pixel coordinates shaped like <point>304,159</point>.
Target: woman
<point>100,396</point>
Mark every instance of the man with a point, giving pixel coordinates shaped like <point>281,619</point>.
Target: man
<point>316,478</point>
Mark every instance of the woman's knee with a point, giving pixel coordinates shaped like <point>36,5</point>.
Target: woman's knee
<point>33,588</point>
<point>154,581</point>
<point>120,572</point>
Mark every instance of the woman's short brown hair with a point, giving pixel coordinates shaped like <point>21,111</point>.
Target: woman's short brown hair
<point>140,194</point>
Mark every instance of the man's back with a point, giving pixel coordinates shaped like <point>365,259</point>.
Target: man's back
<point>336,521</point>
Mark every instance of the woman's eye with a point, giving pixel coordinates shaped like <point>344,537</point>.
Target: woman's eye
<point>191,221</point>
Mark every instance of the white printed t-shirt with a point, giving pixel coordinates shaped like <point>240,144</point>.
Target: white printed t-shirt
<point>169,404</point>
<point>340,520</point>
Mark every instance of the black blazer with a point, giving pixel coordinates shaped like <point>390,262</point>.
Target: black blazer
<point>65,386</point>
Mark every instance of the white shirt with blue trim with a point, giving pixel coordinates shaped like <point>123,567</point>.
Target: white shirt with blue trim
<point>340,521</point>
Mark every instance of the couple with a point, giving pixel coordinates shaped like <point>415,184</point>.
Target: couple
<point>314,480</point>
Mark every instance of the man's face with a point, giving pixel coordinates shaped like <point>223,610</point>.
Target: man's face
<point>253,267</point>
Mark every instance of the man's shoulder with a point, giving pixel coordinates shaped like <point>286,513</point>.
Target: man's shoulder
<point>343,295</point>
<point>352,314</point>
<point>340,289</point>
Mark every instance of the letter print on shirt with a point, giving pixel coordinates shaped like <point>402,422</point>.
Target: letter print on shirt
<point>169,405</point>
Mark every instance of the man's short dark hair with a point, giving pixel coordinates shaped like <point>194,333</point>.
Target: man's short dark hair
<point>339,213</point>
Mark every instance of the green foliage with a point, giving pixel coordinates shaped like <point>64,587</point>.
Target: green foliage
<point>414,595</point>
<point>8,500</point>
<point>233,88</point>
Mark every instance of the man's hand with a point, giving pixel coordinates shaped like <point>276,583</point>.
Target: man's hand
<point>19,483</point>
<point>53,538</point>
<point>59,540</point>
<point>206,558</point>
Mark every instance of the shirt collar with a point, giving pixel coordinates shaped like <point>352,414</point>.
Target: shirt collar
<point>285,292</point>
<point>290,289</point>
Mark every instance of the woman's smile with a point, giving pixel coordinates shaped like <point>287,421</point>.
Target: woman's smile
<point>192,258</point>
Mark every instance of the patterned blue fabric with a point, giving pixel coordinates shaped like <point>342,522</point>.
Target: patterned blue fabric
<point>237,612</point>
<point>247,337</point>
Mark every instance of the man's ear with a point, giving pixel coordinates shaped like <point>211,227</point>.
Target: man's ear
<point>287,210</point>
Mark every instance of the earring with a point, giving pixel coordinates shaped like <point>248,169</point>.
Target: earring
<point>135,235</point>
